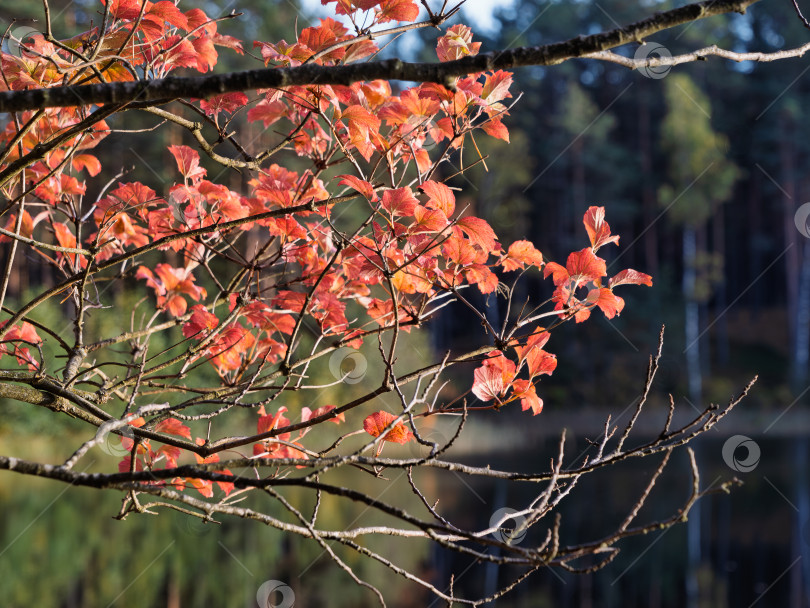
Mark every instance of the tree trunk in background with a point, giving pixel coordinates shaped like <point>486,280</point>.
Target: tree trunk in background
<point>801,350</point>
<point>720,297</point>
<point>649,200</point>
<point>800,575</point>
<point>695,380</point>
<point>792,258</point>
<point>703,273</point>
<point>692,320</point>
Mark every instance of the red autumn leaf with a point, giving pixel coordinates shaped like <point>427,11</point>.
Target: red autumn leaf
<point>495,128</point>
<point>188,162</point>
<point>269,422</point>
<point>200,323</point>
<point>172,426</point>
<point>123,9</point>
<point>397,10</point>
<point>170,284</point>
<point>439,197</point>
<point>459,250</point>
<point>429,220</point>
<point>527,393</point>
<point>521,253</point>
<point>482,276</point>
<point>292,301</point>
<point>88,162</point>
<point>65,238</point>
<point>598,229</point>
<point>605,299</point>
<point>228,102</point>
<point>359,118</point>
<point>362,186</point>
<point>26,226</point>
<point>540,362</point>
<point>581,267</point>
<point>630,277</point>
<point>586,265</point>
<point>307,414</point>
<point>479,232</point>
<point>376,423</point>
<point>400,201</point>
<point>167,11</point>
<point>268,112</point>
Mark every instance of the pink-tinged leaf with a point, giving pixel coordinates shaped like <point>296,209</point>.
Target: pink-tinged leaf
<point>376,423</point>
<point>362,186</point>
<point>172,426</point>
<point>598,229</point>
<point>307,414</point>
<point>439,197</point>
<point>456,43</point>
<point>479,232</point>
<point>493,377</point>
<point>487,383</point>
<point>400,201</point>
<point>267,111</point>
<point>496,87</point>
<point>495,128</point>
<point>630,277</point>
<point>188,162</point>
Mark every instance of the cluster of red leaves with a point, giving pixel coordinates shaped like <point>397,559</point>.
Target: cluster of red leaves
<point>497,378</point>
<point>585,270</point>
<point>415,245</point>
<point>15,341</point>
<point>282,444</point>
<point>167,456</point>
<point>141,37</point>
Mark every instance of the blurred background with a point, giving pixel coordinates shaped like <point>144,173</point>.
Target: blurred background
<point>702,170</point>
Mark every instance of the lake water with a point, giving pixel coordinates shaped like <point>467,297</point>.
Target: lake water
<point>60,546</point>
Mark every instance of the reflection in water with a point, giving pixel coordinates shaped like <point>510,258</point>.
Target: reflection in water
<point>60,546</point>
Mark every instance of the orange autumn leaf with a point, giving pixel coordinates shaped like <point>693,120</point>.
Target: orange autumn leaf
<point>376,423</point>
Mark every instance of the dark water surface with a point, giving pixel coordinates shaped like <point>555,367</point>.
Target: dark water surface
<point>61,547</point>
